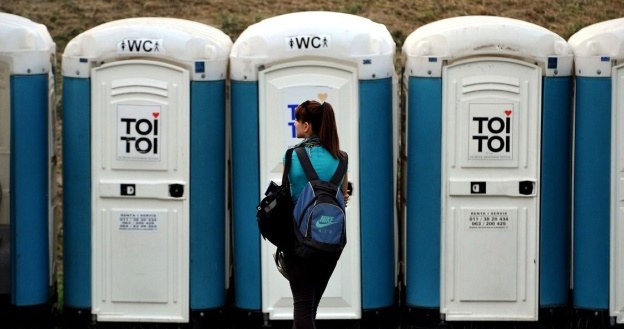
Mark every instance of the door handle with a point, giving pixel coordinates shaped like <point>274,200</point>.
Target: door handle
<point>142,189</point>
<point>492,187</point>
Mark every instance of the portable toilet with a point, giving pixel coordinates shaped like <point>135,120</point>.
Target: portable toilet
<point>27,162</point>
<point>488,169</point>
<point>277,64</point>
<point>598,286</point>
<point>144,170</point>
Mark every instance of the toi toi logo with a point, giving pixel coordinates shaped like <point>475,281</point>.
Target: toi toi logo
<point>142,135</point>
<point>138,133</point>
<point>493,133</point>
<point>291,123</point>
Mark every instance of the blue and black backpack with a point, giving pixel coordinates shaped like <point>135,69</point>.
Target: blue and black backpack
<point>319,214</point>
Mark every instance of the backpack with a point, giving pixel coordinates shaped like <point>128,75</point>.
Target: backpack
<point>319,214</point>
<point>275,211</point>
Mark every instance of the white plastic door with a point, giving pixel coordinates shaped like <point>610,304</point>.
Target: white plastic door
<point>490,188</point>
<point>281,89</point>
<point>5,142</point>
<point>616,290</point>
<point>140,192</point>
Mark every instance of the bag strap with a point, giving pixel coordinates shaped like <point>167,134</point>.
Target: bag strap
<point>306,164</point>
<point>341,170</point>
<point>288,160</point>
<point>311,173</point>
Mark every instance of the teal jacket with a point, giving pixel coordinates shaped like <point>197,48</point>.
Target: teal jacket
<point>322,161</point>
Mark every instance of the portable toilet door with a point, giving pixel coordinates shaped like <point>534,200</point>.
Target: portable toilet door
<point>347,62</point>
<point>27,162</point>
<point>493,121</point>
<point>129,274</point>
<point>283,87</point>
<point>490,205</point>
<point>599,163</point>
<point>152,180</point>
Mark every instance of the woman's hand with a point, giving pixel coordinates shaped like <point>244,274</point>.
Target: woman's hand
<point>344,188</point>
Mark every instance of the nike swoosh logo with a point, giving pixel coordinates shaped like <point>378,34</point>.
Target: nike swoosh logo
<point>323,225</point>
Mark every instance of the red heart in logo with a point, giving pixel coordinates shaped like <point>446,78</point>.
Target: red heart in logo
<point>508,112</point>
<point>155,114</point>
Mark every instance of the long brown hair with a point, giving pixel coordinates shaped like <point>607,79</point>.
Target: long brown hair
<point>323,121</point>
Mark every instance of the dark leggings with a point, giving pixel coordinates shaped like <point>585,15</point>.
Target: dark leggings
<point>308,280</point>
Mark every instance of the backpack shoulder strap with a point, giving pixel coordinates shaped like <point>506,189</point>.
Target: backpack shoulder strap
<point>306,164</point>
<point>341,170</point>
<point>288,160</point>
<point>311,173</point>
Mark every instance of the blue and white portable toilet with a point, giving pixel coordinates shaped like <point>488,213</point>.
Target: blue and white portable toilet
<point>144,169</point>
<point>27,162</point>
<point>598,166</point>
<point>275,65</point>
<point>488,166</point>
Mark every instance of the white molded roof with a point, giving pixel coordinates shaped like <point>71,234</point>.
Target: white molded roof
<point>329,35</point>
<point>181,41</point>
<point>595,46</point>
<point>27,44</point>
<point>450,39</point>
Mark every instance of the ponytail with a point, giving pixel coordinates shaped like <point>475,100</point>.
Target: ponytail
<point>328,132</point>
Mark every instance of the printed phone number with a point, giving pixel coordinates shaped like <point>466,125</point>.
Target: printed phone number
<point>487,220</point>
<point>138,222</point>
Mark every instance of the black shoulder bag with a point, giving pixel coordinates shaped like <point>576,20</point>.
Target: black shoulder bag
<point>275,211</point>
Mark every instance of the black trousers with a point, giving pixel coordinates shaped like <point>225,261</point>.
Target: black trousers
<point>308,280</point>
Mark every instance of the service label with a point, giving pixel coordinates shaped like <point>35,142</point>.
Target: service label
<point>490,219</point>
<point>138,221</point>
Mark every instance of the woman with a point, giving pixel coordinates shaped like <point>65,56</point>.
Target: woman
<point>316,123</point>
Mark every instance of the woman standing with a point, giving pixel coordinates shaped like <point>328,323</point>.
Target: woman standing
<point>316,123</point>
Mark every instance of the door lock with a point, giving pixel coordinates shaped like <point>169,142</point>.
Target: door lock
<point>176,190</point>
<point>526,187</point>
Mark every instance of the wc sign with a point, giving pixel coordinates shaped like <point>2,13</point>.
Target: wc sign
<point>140,46</point>
<point>139,132</point>
<point>490,132</point>
<point>307,42</point>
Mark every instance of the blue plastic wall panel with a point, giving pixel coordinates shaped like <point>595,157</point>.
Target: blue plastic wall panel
<point>245,195</point>
<point>424,170</point>
<point>376,194</point>
<point>592,158</point>
<point>555,216</point>
<point>207,201</point>
<point>29,199</point>
<point>77,192</point>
